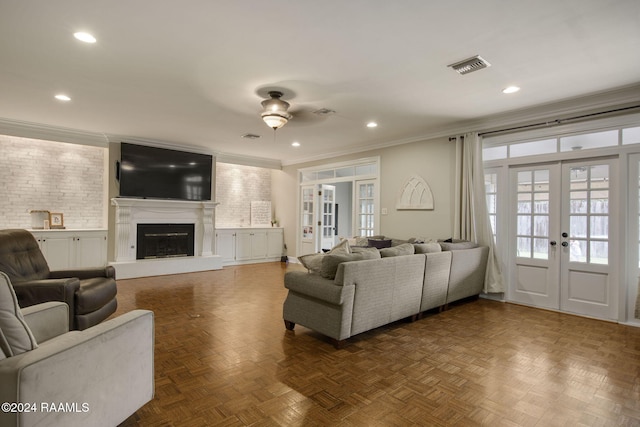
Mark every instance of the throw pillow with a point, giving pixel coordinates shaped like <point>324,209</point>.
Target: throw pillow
<point>313,262</point>
<point>331,262</point>
<point>403,249</point>
<point>380,243</point>
<point>15,335</point>
<point>427,248</point>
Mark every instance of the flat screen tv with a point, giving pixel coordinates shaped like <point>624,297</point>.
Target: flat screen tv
<point>160,173</point>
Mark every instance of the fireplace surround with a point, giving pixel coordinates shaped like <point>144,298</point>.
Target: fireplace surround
<point>132,212</point>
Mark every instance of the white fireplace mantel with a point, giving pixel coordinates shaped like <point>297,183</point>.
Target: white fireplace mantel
<point>131,212</point>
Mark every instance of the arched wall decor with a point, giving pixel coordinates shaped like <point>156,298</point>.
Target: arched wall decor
<point>415,194</point>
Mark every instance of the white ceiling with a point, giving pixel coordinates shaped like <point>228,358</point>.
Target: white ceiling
<point>191,73</point>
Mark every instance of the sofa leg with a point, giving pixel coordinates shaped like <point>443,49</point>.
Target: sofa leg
<point>338,344</point>
<point>289,325</point>
<point>415,317</point>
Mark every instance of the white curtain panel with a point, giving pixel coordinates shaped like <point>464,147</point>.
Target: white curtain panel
<point>471,215</point>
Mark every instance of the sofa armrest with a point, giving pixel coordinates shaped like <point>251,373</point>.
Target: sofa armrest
<point>47,320</point>
<point>314,286</point>
<point>38,291</point>
<point>114,359</point>
<point>84,273</point>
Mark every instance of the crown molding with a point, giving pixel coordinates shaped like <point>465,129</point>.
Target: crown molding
<point>51,133</point>
<point>260,162</point>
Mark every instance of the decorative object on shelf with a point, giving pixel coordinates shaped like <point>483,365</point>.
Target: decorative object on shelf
<point>415,194</point>
<point>39,219</point>
<point>56,220</point>
<point>260,214</point>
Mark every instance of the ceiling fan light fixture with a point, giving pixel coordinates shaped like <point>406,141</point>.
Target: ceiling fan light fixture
<point>275,113</point>
<point>274,120</point>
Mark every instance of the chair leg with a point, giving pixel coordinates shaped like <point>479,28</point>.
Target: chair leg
<point>289,325</point>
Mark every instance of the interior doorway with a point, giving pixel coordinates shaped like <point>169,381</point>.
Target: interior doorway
<point>337,201</point>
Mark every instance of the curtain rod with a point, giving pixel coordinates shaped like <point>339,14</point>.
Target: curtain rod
<point>554,122</point>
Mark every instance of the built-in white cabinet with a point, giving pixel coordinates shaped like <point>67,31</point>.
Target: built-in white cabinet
<point>65,249</point>
<point>247,245</point>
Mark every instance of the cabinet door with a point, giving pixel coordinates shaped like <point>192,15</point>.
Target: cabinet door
<point>57,250</point>
<point>274,243</point>
<point>259,245</point>
<point>243,245</point>
<point>90,250</point>
<point>226,245</point>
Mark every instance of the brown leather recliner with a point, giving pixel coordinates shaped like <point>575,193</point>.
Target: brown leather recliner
<point>90,293</point>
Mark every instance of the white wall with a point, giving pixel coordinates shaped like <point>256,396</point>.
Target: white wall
<point>236,187</point>
<point>433,160</point>
<point>53,176</point>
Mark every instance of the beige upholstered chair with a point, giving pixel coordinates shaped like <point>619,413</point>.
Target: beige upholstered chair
<point>52,377</point>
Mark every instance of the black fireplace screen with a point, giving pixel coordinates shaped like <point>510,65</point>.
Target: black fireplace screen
<point>165,240</point>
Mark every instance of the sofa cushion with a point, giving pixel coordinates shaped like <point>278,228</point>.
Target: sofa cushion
<point>427,248</point>
<point>313,262</point>
<point>380,243</point>
<point>331,262</point>
<point>403,249</point>
<point>15,335</point>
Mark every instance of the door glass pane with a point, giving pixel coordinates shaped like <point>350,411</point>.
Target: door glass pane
<point>578,202</point>
<point>578,251</point>
<point>524,247</point>
<point>599,253</point>
<point>532,221</point>
<point>307,213</point>
<point>578,226</point>
<point>366,207</point>
<point>541,248</point>
<point>599,228</point>
<point>588,214</point>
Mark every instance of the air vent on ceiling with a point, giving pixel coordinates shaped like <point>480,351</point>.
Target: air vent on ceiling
<point>251,136</point>
<point>470,65</point>
<point>324,112</point>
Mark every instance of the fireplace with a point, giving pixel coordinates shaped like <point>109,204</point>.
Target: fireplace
<point>165,240</point>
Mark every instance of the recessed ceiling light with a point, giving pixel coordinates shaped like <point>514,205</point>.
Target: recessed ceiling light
<point>62,97</point>
<point>372,124</point>
<point>511,89</point>
<point>295,144</point>
<point>84,37</point>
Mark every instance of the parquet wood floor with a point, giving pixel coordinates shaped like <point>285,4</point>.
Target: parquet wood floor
<point>223,357</point>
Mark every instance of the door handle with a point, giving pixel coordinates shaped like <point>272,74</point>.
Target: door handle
<point>565,244</point>
<point>553,243</point>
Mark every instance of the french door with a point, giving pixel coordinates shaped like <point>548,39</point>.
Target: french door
<point>317,219</point>
<point>562,237</point>
<point>327,216</point>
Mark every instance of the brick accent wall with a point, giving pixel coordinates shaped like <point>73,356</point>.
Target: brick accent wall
<point>236,187</point>
<point>53,176</point>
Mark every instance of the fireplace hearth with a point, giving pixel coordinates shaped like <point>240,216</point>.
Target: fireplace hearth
<point>165,240</point>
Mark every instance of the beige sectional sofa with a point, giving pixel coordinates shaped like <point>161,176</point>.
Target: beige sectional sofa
<point>369,293</point>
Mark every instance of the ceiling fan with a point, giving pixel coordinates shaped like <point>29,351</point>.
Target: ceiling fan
<point>276,112</point>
